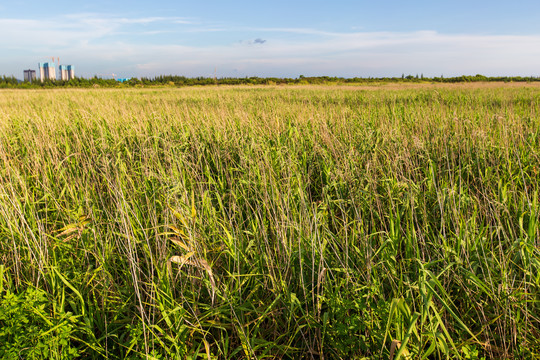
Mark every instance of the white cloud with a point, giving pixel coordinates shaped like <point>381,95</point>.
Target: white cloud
<point>375,54</point>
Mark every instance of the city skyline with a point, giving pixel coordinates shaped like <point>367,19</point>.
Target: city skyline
<point>282,39</point>
<point>47,71</point>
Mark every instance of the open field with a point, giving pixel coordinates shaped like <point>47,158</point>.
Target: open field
<point>270,222</point>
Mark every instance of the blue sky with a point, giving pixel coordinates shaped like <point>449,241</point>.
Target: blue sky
<point>273,38</point>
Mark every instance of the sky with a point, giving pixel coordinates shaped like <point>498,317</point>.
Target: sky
<point>278,38</point>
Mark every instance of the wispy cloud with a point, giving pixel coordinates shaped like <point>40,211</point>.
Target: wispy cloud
<point>303,31</point>
<point>148,20</point>
<point>67,30</point>
<point>115,20</point>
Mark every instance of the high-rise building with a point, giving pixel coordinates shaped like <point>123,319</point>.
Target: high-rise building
<point>63,72</point>
<point>67,72</point>
<point>71,72</point>
<point>29,75</point>
<point>47,71</point>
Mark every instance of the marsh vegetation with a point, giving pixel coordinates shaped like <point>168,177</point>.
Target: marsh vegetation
<point>275,222</point>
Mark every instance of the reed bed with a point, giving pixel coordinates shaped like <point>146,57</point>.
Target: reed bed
<point>272,222</point>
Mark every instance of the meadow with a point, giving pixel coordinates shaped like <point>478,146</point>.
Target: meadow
<point>376,222</point>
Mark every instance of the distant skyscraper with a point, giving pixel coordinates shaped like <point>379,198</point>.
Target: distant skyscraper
<point>67,72</point>
<point>71,72</point>
<point>47,71</point>
<point>29,75</point>
<point>63,72</point>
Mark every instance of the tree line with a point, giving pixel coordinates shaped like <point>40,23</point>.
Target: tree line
<point>176,80</point>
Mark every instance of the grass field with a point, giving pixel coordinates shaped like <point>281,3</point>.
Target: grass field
<point>377,222</point>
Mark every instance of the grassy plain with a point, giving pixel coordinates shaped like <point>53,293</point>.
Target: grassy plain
<point>270,222</point>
